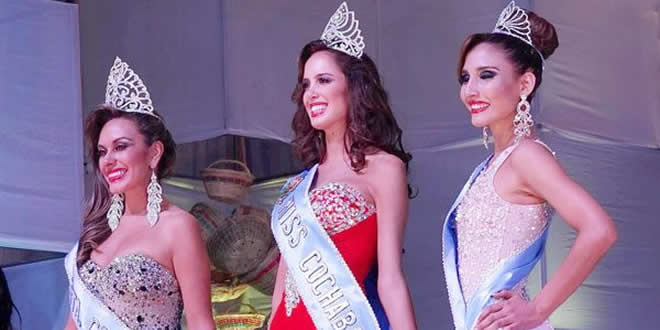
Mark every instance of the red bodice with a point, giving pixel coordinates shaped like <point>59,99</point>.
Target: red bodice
<point>350,220</point>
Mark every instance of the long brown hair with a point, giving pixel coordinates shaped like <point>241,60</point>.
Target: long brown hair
<point>95,227</point>
<point>370,126</point>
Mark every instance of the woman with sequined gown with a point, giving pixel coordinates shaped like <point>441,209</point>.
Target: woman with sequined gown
<point>339,225</point>
<point>139,259</point>
<point>496,230</point>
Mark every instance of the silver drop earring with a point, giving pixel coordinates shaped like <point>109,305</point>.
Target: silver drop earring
<point>485,136</point>
<point>522,122</point>
<point>154,199</point>
<point>115,211</point>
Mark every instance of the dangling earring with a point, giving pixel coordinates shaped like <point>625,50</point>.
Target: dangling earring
<point>319,139</point>
<point>485,136</point>
<point>115,211</point>
<point>154,198</point>
<point>522,122</point>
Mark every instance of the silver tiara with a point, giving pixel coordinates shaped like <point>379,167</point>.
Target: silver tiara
<point>343,33</point>
<point>514,22</point>
<point>126,91</point>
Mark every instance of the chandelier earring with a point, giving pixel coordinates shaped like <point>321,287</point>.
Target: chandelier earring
<point>522,122</point>
<point>115,211</point>
<point>154,199</point>
<point>484,132</point>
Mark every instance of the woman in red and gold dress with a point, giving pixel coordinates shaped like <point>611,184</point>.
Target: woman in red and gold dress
<point>345,216</point>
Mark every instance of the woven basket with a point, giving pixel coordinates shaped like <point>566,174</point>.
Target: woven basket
<point>242,243</point>
<point>226,299</point>
<point>259,214</point>
<point>209,220</point>
<point>262,278</point>
<point>240,321</point>
<point>227,180</point>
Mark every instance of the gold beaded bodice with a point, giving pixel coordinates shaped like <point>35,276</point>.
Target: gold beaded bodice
<point>491,230</point>
<point>139,290</point>
<point>338,207</point>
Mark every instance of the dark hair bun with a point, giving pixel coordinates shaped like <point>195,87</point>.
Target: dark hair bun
<point>544,36</point>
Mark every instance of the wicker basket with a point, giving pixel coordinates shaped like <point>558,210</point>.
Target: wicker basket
<point>209,220</point>
<point>262,278</point>
<point>241,244</point>
<point>226,299</point>
<point>246,211</point>
<point>239,321</point>
<point>227,180</point>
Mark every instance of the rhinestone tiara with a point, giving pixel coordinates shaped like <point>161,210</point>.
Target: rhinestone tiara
<point>126,91</point>
<point>343,33</point>
<point>513,21</point>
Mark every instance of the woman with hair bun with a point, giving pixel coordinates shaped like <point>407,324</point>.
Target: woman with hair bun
<point>496,230</point>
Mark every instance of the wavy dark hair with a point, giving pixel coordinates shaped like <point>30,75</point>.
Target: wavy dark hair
<point>524,57</point>
<point>370,126</point>
<point>6,304</point>
<point>95,227</point>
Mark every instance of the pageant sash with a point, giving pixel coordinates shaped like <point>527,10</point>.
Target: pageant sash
<point>331,294</point>
<point>507,275</point>
<point>87,311</point>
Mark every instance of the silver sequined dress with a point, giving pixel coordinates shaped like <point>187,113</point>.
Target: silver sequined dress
<point>491,230</point>
<point>139,290</point>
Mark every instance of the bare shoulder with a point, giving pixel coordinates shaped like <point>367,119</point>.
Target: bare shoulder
<point>531,158</point>
<point>530,154</point>
<point>385,173</point>
<point>179,223</point>
<point>383,163</point>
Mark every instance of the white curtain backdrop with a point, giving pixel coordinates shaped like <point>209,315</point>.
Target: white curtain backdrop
<point>217,67</point>
<point>40,120</point>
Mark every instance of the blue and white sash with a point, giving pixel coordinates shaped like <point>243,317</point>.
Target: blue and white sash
<point>506,276</point>
<point>324,281</point>
<point>87,311</point>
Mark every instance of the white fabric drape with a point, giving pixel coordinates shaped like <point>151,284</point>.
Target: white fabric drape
<point>217,67</point>
<point>40,120</point>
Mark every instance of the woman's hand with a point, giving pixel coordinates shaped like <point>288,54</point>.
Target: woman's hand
<point>511,312</point>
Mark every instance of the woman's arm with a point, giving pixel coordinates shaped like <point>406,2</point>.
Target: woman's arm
<point>191,267</point>
<point>69,324</point>
<point>389,189</point>
<point>542,176</point>
<point>595,230</point>
<point>278,291</point>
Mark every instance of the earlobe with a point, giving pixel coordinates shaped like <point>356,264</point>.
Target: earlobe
<point>157,152</point>
<point>527,83</point>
